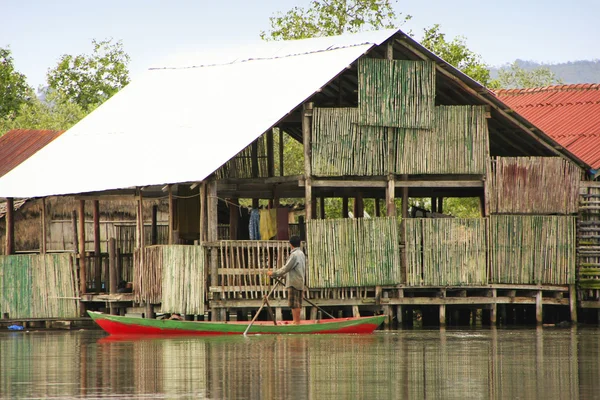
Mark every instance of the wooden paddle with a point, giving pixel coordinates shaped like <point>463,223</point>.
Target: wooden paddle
<point>265,301</point>
<point>307,300</point>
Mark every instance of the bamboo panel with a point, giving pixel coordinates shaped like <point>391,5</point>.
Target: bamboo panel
<point>147,285</point>
<point>342,147</point>
<point>240,166</point>
<point>183,279</point>
<point>243,265</point>
<point>38,286</point>
<point>532,249</point>
<point>533,185</point>
<point>457,143</point>
<point>588,242</point>
<point>353,252</point>
<point>396,93</point>
<point>448,251</point>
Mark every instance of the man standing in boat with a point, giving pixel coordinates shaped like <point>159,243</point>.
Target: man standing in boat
<point>295,269</point>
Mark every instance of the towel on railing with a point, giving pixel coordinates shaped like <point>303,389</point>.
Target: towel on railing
<point>268,223</point>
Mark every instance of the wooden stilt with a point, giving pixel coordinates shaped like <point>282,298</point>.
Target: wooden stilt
<point>10,226</point>
<point>359,207</point>
<point>278,314</point>
<point>322,207</point>
<point>344,207</point>
<point>355,311</point>
<point>442,315</point>
<point>313,313</point>
<point>494,309</point>
<point>440,206</point>
<point>538,307</point>
<point>434,204</point>
<point>573,302</point>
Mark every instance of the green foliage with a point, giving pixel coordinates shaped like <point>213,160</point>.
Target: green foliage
<point>330,18</point>
<point>515,77</point>
<point>55,113</point>
<point>89,80</point>
<point>14,90</point>
<point>456,53</point>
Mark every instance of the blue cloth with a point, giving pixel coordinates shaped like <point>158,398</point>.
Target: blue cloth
<point>254,224</point>
<point>15,328</point>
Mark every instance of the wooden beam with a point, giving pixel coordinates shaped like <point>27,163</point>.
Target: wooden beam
<point>306,133</point>
<point>82,271</point>
<point>331,183</point>
<point>10,226</point>
<point>97,263</point>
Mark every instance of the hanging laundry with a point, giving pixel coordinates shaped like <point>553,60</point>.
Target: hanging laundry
<point>268,223</point>
<point>254,226</point>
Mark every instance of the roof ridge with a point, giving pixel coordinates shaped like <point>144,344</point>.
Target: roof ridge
<point>555,88</point>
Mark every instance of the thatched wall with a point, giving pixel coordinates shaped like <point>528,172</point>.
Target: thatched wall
<point>533,185</point>
<point>38,286</point>
<point>352,252</point>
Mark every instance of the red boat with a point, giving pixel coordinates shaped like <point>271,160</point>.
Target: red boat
<point>117,325</point>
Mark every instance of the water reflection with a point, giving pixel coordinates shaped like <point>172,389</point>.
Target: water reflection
<point>451,364</point>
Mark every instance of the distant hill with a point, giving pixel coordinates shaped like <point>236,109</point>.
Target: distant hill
<point>584,71</point>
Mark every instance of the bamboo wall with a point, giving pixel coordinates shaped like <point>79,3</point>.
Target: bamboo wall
<point>396,93</point>
<point>352,252</point>
<point>458,143</point>
<point>240,166</point>
<point>533,185</point>
<point>588,242</point>
<point>532,249</point>
<point>445,251</point>
<point>38,286</point>
<point>173,275</point>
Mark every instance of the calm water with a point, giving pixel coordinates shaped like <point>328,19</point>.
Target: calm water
<point>548,363</point>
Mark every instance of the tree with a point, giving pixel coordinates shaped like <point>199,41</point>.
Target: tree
<point>14,90</point>
<point>330,18</point>
<point>89,80</point>
<point>514,76</point>
<point>457,54</point>
<point>54,113</point>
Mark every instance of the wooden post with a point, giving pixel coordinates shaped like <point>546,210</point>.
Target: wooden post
<point>573,302</point>
<point>280,152</point>
<point>142,237</point>
<point>442,315</point>
<point>254,158</point>
<point>434,204</point>
<point>270,153</point>
<point>82,271</point>
<point>538,307</point>
<point>306,132</point>
<point>10,226</point>
<point>171,214</point>
<point>97,261</point>
<point>112,262</point>
<point>390,190</point>
<point>482,205</point>
<point>399,309</point>
<point>359,206</point>
<point>74,228</point>
<point>355,311</point>
<point>154,235</point>
<point>344,207</point>
<point>212,231</point>
<point>203,219</point>
<point>440,206</point>
<point>43,238</point>
<point>405,198</point>
<point>390,196</point>
<point>234,216</point>
<point>377,208</point>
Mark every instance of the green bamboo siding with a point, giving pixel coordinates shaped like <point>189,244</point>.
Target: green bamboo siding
<point>457,144</point>
<point>353,252</point>
<point>446,251</point>
<point>396,93</point>
<point>533,185</point>
<point>240,166</point>
<point>532,249</point>
<point>38,286</point>
<point>174,276</point>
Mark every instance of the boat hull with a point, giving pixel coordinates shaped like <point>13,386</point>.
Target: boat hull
<point>117,325</point>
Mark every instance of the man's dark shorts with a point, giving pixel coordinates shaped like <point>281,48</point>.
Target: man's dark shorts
<point>294,297</point>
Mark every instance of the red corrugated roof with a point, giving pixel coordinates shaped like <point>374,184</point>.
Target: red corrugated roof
<point>18,145</point>
<point>570,114</point>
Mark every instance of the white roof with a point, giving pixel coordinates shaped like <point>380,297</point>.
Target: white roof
<point>181,121</point>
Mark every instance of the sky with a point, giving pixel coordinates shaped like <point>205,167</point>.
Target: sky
<point>38,32</point>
